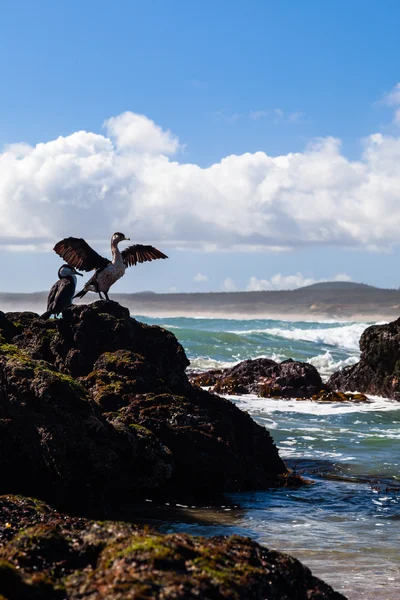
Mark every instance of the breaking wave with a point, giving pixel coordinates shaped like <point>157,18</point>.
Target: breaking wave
<point>222,343</point>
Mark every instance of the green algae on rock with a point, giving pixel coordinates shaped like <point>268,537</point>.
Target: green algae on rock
<point>56,446</point>
<point>70,558</point>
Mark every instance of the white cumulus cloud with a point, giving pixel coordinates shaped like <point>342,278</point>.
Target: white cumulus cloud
<point>228,285</point>
<point>288,282</point>
<point>200,278</point>
<point>392,98</point>
<point>140,134</point>
<point>87,184</point>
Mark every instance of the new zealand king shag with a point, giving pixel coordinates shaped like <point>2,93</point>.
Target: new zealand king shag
<point>62,292</point>
<point>80,255</point>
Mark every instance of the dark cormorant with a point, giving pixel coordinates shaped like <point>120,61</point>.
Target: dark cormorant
<point>80,255</point>
<point>62,292</point>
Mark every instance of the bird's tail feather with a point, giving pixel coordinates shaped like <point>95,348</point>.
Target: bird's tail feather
<point>81,293</point>
<point>46,315</point>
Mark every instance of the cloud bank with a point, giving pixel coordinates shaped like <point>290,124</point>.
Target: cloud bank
<point>90,185</point>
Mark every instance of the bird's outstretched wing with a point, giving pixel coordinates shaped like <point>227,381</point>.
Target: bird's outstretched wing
<point>77,253</point>
<point>139,254</point>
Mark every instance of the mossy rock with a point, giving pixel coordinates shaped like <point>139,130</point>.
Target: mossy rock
<point>70,558</point>
<point>40,547</point>
<point>14,585</point>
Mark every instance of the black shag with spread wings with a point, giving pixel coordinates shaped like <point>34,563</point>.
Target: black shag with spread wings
<point>80,255</point>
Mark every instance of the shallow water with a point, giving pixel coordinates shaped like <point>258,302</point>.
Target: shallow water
<point>346,525</point>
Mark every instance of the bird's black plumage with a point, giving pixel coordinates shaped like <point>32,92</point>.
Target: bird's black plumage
<point>62,292</point>
<point>139,254</point>
<point>77,253</point>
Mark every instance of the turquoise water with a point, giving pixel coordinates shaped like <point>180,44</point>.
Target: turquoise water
<point>346,525</point>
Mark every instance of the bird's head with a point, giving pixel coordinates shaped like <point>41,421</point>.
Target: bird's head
<point>67,271</point>
<point>118,237</point>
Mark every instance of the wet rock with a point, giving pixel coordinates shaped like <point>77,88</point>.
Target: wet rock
<point>378,371</point>
<point>266,378</point>
<point>329,396</point>
<point>206,379</point>
<point>69,558</point>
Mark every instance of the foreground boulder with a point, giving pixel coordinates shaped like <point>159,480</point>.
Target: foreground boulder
<point>378,371</point>
<point>96,411</point>
<point>265,378</point>
<point>45,555</point>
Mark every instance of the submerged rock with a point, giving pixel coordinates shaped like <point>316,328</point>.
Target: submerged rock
<point>378,371</point>
<point>45,555</point>
<point>265,378</point>
<point>96,410</point>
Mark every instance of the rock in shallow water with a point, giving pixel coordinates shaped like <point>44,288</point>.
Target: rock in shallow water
<point>378,371</point>
<point>45,555</point>
<point>96,410</point>
<point>266,378</point>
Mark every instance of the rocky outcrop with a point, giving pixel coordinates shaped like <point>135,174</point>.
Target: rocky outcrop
<point>97,415</point>
<point>96,411</point>
<point>265,378</point>
<point>45,555</point>
<point>378,371</point>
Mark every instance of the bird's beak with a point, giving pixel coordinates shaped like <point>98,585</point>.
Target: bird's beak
<point>128,239</point>
<point>76,273</point>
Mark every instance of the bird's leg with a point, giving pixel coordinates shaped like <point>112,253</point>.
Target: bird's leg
<point>100,296</point>
<point>106,295</point>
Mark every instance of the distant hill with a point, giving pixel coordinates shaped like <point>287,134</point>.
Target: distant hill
<point>335,300</point>
<point>338,285</point>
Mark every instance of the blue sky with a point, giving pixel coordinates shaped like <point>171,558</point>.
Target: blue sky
<point>213,79</point>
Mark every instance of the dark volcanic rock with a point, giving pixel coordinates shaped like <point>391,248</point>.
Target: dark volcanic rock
<point>96,410</point>
<point>45,555</point>
<point>265,377</point>
<point>378,371</point>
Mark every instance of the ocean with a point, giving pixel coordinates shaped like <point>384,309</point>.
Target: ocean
<point>345,526</point>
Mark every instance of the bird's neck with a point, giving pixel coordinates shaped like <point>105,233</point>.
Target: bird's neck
<point>116,254</point>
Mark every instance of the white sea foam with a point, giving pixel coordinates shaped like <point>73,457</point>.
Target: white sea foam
<point>204,363</point>
<point>343,336</point>
<point>326,364</point>
<point>255,405</point>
